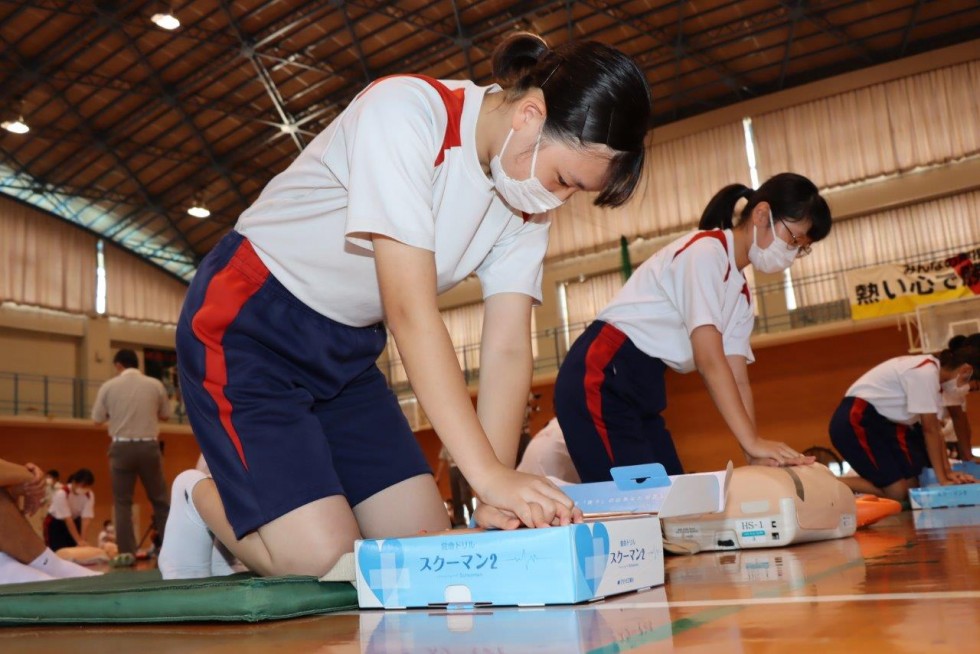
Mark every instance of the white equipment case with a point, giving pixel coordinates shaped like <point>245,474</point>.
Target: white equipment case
<point>771,507</point>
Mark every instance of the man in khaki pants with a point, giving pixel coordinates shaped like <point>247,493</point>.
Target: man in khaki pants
<point>133,403</point>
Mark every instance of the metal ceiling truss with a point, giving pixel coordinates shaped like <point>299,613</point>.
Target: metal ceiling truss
<point>256,82</point>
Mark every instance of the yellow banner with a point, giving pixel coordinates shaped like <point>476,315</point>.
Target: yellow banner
<point>900,288</point>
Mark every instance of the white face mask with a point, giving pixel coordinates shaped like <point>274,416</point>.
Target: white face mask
<point>529,195</point>
<point>954,392</point>
<point>777,257</point>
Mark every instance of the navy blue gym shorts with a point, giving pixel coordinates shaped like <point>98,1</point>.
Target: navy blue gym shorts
<point>608,399</point>
<point>287,405</point>
<point>878,449</point>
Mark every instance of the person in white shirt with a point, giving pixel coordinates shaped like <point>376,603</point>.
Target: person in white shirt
<point>71,511</point>
<point>687,307</point>
<point>107,535</point>
<point>954,400</point>
<point>24,556</point>
<point>887,426</point>
<point>547,455</point>
<point>133,405</point>
<point>416,185</point>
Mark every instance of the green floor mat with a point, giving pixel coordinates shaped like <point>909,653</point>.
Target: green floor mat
<point>132,597</point>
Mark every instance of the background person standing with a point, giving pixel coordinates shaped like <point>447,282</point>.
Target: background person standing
<point>133,403</point>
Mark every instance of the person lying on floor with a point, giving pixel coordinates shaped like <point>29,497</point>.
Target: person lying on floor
<point>23,554</point>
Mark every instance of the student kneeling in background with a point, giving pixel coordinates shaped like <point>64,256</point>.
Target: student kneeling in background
<point>887,426</point>
<point>954,399</point>
<point>23,555</point>
<point>686,308</point>
<point>71,511</point>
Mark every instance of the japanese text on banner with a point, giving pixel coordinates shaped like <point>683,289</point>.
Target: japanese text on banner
<point>900,288</point>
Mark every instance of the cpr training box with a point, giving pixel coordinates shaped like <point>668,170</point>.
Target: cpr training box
<point>928,476</point>
<point>932,496</point>
<point>940,497</point>
<point>604,556</point>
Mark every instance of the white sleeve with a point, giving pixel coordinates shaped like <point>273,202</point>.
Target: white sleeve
<point>736,339</point>
<point>391,139</point>
<point>163,405</point>
<point>695,283</point>
<point>88,511</point>
<point>100,413</point>
<point>515,264</point>
<point>59,508</point>
<point>950,399</point>
<point>921,387</point>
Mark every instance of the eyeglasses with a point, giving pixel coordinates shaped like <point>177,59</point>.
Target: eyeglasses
<point>801,249</point>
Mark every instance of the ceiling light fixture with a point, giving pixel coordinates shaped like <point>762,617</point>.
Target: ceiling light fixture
<point>199,210</point>
<point>17,126</point>
<point>166,19</point>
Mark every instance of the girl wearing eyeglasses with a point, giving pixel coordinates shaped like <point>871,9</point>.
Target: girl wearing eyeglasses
<point>887,426</point>
<point>688,307</point>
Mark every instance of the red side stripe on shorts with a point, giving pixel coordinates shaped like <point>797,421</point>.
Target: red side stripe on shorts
<point>713,233</point>
<point>600,353</point>
<point>857,412</point>
<point>227,293</point>
<point>900,432</point>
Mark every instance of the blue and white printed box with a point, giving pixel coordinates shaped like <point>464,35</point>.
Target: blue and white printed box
<point>939,497</point>
<point>648,489</point>
<point>932,496</point>
<point>525,567</point>
<point>535,567</point>
<point>928,476</point>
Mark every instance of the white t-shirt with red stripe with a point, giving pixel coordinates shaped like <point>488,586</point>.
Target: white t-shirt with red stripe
<point>691,282</point>
<point>400,161</point>
<point>901,389</point>
<point>65,504</point>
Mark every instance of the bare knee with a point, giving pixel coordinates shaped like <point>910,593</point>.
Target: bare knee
<point>898,491</point>
<point>316,563</point>
<point>386,514</point>
<point>308,540</point>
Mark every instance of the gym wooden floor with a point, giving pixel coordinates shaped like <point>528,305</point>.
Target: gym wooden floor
<point>910,583</point>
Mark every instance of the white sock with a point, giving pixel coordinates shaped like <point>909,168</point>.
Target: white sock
<point>13,571</point>
<point>223,562</point>
<point>186,551</point>
<point>50,563</point>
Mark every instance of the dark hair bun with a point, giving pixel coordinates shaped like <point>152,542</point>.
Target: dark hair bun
<point>516,55</point>
<point>956,342</point>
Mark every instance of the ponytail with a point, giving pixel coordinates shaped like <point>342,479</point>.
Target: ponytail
<point>516,56</point>
<point>720,212</point>
<point>955,343</point>
<point>960,340</point>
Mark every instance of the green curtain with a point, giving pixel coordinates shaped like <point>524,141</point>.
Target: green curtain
<point>624,253</point>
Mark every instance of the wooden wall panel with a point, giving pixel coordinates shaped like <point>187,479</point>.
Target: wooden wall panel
<point>67,445</point>
<point>796,387</point>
